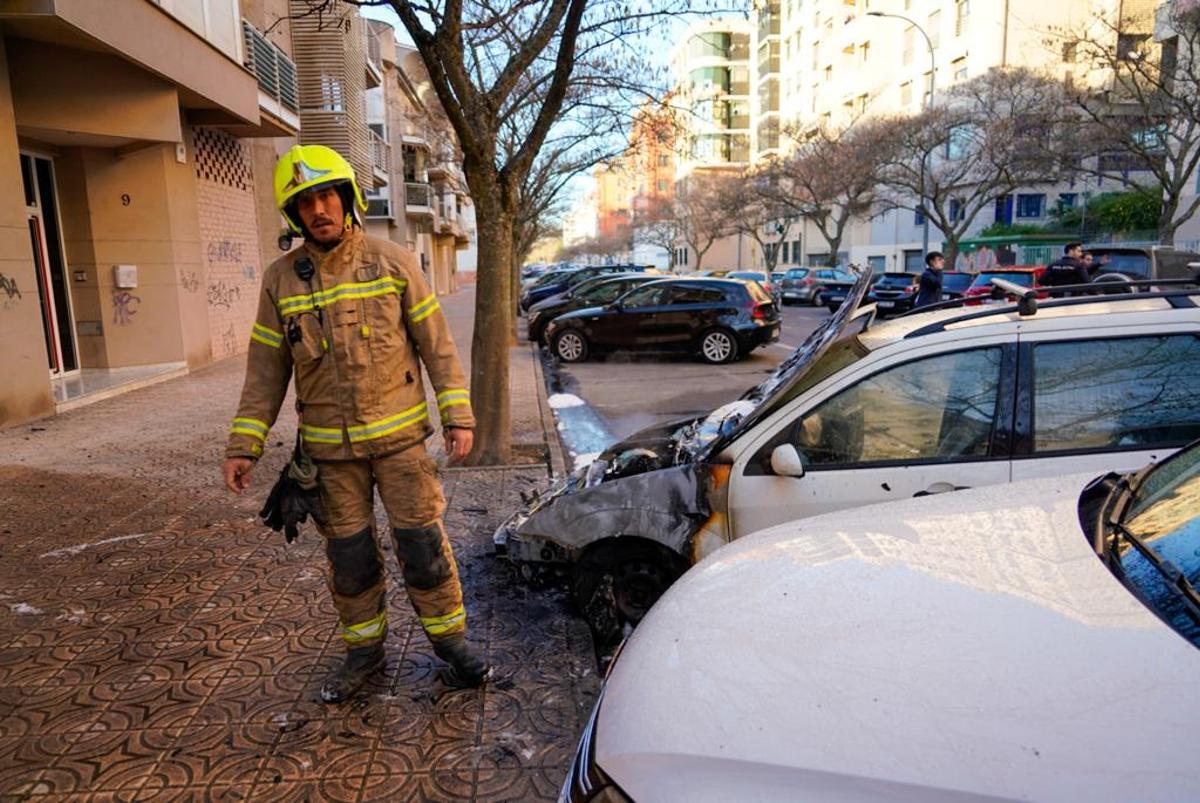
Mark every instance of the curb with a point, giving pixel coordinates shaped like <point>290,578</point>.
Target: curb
<point>554,445</point>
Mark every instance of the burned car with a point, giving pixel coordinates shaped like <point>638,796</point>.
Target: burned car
<point>867,412</point>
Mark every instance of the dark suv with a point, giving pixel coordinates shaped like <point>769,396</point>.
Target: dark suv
<point>894,293</point>
<point>721,319</point>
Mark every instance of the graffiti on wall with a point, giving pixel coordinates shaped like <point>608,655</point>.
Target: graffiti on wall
<point>224,251</point>
<point>10,294</point>
<point>223,295</point>
<point>125,306</point>
<point>189,281</point>
<point>229,340</point>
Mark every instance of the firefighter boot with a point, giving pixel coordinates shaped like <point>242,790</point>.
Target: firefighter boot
<point>467,668</point>
<point>348,678</point>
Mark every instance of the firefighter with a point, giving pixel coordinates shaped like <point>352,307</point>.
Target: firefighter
<point>354,319</point>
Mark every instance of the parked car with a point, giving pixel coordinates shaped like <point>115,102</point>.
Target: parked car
<point>1142,262</point>
<point>894,293</point>
<point>955,283</point>
<point>565,280</point>
<point>721,319</point>
<point>760,277</point>
<point>834,291</point>
<point>594,292</point>
<point>866,412</point>
<point>982,287</point>
<point>989,646</point>
<point>807,285</point>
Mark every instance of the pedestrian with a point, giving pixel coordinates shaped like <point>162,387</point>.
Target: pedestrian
<point>354,319</point>
<point>930,289</point>
<point>1068,269</point>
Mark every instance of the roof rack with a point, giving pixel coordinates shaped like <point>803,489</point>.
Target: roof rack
<point>1028,299</point>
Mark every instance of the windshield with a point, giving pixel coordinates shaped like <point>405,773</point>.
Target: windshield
<point>1163,517</point>
<point>1131,264</point>
<point>1016,277</point>
<point>604,291</point>
<point>892,280</point>
<point>550,278</point>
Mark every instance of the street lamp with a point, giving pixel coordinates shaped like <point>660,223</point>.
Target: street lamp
<point>929,105</point>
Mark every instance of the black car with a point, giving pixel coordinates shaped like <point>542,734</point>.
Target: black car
<point>833,291</point>
<point>565,281</point>
<point>894,293</point>
<point>594,292</point>
<point>721,319</point>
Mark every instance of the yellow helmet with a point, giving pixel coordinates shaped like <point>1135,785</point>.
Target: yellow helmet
<point>304,167</point>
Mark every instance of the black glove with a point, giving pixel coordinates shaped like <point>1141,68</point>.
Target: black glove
<point>294,497</point>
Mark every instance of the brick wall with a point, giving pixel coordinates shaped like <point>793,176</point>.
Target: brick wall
<point>229,238</point>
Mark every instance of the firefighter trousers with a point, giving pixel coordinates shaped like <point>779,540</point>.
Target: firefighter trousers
<point>412,496</point>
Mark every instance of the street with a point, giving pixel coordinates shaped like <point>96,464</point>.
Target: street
<point>631,391</point>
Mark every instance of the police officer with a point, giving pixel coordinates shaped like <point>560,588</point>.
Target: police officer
<point>354,320</point>
<point>1067,269</point>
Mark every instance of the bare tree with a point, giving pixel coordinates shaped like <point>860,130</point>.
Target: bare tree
<point>701,211</point>
<point>1140,104</point>
<point>656,222</point>
<point>831,176</point>
<point>754,207</point>
<point>989,138</point>
<point>515,64</point>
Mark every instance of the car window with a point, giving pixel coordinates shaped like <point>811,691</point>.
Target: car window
<point>649,296</point>
<point>937,408</point>
<point>797,273</point>
<point>1121,392</point>
<point>1129,264</point>
<point>604,293</point>
<point>691,294</point>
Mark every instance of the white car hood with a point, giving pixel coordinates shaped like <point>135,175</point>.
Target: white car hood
<point>961,646</point>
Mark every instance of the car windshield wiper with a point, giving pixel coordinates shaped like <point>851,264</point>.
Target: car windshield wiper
<point>1174,577</point>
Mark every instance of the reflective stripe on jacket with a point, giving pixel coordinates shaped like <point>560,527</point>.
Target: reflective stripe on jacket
<point>355,337</point>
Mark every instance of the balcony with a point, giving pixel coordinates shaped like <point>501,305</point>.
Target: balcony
<point>276,73</point>
<point>418,198</point>
<point>413,134</point>
<point>381,158</point>
<point>374,64</point>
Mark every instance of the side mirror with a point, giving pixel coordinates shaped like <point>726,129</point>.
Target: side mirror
<point>786,462</point>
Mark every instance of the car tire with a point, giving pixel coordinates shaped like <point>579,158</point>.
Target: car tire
<point>718,346</point>
<point>630,573</point>
<point>570,346</point>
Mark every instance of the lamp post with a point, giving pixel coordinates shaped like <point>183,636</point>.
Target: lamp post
<point>929,105</point>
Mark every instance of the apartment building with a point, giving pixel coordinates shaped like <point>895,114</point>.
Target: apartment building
<point>135,227</point>
<point>420,198</point>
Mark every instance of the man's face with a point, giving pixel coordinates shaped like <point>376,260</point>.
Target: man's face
<point>937,262</point>
<point>1075,253</point>
<point>322,214</point>
<point>1087,259</point>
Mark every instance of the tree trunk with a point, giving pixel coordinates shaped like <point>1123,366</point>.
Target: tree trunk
<point>514,289</point>
<point>1166,224</point>
<point>493,318</point>
<point>950,255</point>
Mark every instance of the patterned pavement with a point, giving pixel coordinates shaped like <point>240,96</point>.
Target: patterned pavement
<point>156,643</point>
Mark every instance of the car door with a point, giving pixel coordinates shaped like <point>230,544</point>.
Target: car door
<point>634,323</point>
<point>688,307</point>
<point>919,422</point>
<point>1114,401</point>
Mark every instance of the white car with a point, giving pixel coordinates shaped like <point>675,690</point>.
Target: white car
<point>868,412</point>
<point>1032,641</point>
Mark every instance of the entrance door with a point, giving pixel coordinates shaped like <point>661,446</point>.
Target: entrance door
<point>49,264</point>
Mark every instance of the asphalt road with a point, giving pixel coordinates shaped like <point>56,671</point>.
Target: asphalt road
<point>630,391</point>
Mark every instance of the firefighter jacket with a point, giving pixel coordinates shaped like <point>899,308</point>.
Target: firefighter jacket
<point>352,334</point>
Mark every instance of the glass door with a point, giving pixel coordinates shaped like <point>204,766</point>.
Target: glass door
<point>49,263</point>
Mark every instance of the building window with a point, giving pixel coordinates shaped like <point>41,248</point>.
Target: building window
<point>816,54</point>
<point>918,218</point>
<point>935,28</point>
<point>331,94</point>
<point>957,210</point>
<point>1069,52</point>
<point>796,251</point>
<point>958,68</point>
<point>1031,205</point>
<point>784,258</point>
<point>906,93</point>
<point>962,9</point>
<point>664,160</point>
<point>1067,200</point>
<point>828,73</point>
<point>864,52</point>
<point>909,39</point>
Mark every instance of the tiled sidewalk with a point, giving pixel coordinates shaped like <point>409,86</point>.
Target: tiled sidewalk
<point>156,643</point>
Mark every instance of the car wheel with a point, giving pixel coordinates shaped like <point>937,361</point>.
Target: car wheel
<point>622,581</point>
<point>570,346</point>
<point>718,346</point>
